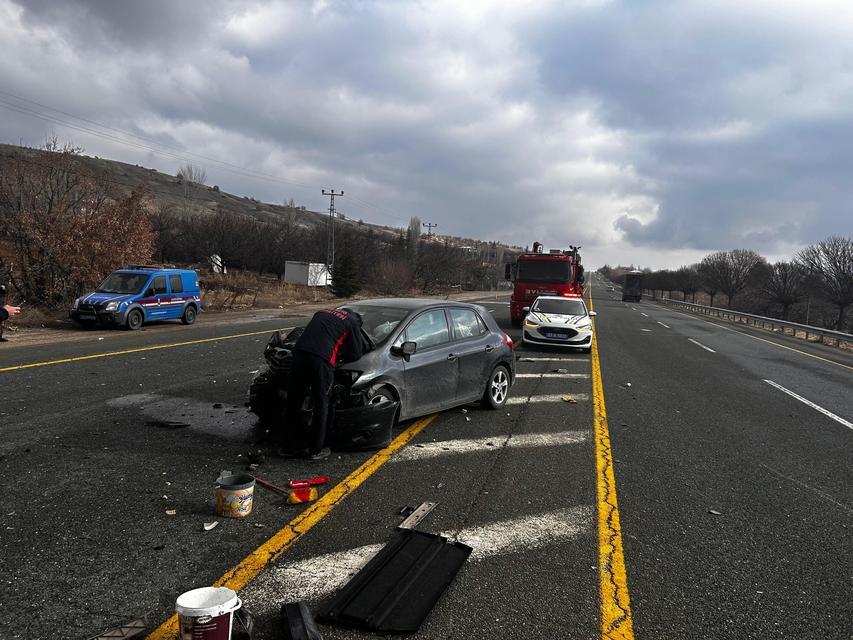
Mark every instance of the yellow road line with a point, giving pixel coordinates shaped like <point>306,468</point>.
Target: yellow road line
<point>616,622</point>
<point>239,576</point>
<point>775,344</point>
<point>139,350</point>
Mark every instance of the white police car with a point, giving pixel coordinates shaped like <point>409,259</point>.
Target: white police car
<point>558,321</point>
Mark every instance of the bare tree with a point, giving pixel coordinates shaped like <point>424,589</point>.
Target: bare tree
<point>785,284</point>
<point>729,272</point>
<point>192,174</point>
<point>688,281</point>
<point>831,260</point>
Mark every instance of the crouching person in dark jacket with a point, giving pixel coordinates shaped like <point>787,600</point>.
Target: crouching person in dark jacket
<point>331,337</point>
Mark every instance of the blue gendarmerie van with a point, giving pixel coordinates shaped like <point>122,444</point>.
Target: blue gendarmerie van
<point>129,297</point>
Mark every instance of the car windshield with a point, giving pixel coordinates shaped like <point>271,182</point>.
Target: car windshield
<point>123,283</point>
<point>560,307</point>
<point>379,322</point>
<point>539,270</point>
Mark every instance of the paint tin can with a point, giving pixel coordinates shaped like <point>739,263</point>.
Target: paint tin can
<point>235,494</point>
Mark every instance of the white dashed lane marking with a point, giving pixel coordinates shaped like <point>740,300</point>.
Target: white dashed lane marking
<point>422,451</point>
<point>665,326</point>
<point>555,397</point>
<point>699,344</point>
<point>811,404</point>
<point>552,375</point>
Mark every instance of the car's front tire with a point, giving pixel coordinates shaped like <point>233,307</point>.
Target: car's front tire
<point>497,388</point>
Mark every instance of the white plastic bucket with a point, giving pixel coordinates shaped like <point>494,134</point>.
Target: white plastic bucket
<point>207,613</point>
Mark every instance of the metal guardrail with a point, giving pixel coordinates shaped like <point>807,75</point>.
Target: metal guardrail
<point>828,337</point>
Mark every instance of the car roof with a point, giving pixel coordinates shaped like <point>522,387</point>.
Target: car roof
<point>149,271</point>
<point>408,304</point>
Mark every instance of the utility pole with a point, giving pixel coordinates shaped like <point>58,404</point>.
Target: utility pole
<point>429,226</point>
<point>330,236</point>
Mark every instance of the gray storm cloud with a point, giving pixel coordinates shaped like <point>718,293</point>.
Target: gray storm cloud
<point>648,132</point>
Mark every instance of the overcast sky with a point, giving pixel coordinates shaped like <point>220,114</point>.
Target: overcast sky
<point>649,132</point>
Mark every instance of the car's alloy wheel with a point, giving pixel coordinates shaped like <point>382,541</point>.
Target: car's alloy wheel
<point>497,388</point>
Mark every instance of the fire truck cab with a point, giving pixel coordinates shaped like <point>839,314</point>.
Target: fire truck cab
<point>556,273</point>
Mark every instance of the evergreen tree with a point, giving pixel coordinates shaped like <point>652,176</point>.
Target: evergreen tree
<point>346,280</point>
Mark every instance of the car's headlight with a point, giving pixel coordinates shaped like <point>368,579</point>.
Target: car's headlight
<point>75,304</point>
<point>111,306</point>
<point>584,327</point>
<point>530,324</point>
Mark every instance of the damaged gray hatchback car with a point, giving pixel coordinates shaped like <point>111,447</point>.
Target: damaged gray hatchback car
<point>421,356</point>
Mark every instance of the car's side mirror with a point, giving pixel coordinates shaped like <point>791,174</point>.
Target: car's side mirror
<point>405,350</point>
<point>525,309</point>
<point>592,314</point>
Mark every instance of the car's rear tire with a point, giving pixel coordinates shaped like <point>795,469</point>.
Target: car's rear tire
<point>134,319</point>
<point>189,314</point>
<point>497,388</point>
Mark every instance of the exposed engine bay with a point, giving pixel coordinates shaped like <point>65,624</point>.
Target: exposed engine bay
<point>358,422</point>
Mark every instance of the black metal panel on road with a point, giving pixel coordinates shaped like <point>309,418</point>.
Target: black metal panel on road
<point>398,588</point>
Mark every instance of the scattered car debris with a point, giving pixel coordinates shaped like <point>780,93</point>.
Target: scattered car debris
<point>627,384</point>
<point>210,525</point>
<point>171,512</point>
<point>715,512</point>
<point>463,411</point>
<point>569,399</point>
<point>559,370</point>
<point>467,419</point>
<point>129,630</point>
<point>400,585</point>
<point>414,515</point>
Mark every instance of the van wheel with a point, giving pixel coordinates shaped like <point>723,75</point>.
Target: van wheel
<point>134,319</point>
<point>497,388</point>
<point>189,315</point>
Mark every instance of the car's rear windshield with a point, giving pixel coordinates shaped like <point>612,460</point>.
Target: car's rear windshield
<point>560,307</point>
<point>379,322</point>
<point>552,271</point>
<point>123,283</point>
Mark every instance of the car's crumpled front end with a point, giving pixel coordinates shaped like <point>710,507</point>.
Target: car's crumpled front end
<point>357,424</point>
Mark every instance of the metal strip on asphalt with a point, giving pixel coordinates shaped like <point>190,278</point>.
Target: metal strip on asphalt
<point>811,404</point>
<point>239,576</point>
<point>552,375</point>
<point>616,620</point>
<point>138,350</point>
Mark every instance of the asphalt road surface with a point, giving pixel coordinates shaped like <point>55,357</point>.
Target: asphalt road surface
<point>735,497</point>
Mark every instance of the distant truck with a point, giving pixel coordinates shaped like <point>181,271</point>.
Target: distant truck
<point>556,273</point>
<point>632,286</point>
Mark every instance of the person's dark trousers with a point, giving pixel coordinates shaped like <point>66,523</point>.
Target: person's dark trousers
<point>310,370</point>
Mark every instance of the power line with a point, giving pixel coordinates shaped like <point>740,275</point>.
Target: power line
<point>430,226</point>
<point>161,148</point>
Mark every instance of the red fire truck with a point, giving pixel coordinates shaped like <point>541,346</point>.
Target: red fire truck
<point>556,273</point>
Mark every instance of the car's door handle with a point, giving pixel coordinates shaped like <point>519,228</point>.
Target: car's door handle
<point>489,348</point>
<point>452,357</point>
